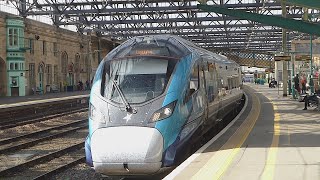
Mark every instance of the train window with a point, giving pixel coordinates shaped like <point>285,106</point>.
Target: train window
<point>193,82</point>
<point>211,82</point>
<point>106,69</point>
<point>201,77</point>
<point>137,79</point>
<point>194,79</point>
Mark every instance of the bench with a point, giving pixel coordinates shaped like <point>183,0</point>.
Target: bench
<point>315,103</point>
<point>54,88</point>
<point>312,102</point>
<point>37,90</point>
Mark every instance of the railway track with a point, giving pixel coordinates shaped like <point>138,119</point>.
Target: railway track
<point>21,112</point>
<point>40,150</point>
<point>5,124</point>
<point>61,168</point>
<point>50,156</point>
<point>26,140</point>
<point>47,165</point>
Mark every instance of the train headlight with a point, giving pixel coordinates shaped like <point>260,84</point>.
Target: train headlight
<point>95,115</point>
<point>164,112</point>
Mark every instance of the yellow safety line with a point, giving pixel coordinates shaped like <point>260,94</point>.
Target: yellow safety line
<point>219,163</point>
<point>268,172</point>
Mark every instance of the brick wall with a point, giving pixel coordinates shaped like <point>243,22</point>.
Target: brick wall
<point>3,69</point>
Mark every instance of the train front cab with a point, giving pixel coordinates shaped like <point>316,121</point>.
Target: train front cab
<point>132,143</point>
<point>126,143</point>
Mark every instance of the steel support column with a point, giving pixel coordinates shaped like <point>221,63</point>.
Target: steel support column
<point>311,84</point>
<point>292,76</point>
<point>23,9</point>
<point>284,49</point>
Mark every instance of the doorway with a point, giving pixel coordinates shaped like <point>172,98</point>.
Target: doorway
<point>3,78</point>
<point>40,73</point>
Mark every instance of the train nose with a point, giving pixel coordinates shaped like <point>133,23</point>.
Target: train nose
<point>127,150</point>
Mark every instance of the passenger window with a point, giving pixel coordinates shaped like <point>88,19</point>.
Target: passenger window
<point>194,79</point>
<point>193,83</point>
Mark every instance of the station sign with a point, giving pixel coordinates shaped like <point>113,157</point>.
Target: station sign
<point>302,57</point>
<point>268,70</point>
<point>282,58</point>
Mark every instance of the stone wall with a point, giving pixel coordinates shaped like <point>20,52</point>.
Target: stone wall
<point>68,42</point>
<point>79,50</point>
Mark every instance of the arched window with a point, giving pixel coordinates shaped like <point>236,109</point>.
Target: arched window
<point>41,75</point>
<point>64,66</point>
<point>77,63</point>
<point>64,62</point>
<point>41,67</point>
<point>86,62</point>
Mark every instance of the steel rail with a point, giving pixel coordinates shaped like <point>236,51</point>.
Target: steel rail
<point>60,169</point>
<point>41,139</point>
<point>14,123</point>
<point>45,158</point>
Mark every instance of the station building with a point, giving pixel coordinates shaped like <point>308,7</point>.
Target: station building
<point>37,58</point>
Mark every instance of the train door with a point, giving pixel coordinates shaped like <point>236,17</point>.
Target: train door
<point>203,89</point>
<point>194,96</point>
<point>212,90</point>
<point>221,84</point>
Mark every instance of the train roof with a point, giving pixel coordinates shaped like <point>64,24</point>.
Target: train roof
<point>176,47</point>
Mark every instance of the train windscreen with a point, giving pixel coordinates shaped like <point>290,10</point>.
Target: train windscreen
<point>137,79</point>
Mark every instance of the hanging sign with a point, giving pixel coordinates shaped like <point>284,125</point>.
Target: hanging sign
<point>282,58</point>
<point>302,57</point>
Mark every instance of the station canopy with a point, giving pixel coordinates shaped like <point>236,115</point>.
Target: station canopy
<point>122,19</point>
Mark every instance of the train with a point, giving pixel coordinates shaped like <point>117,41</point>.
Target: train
<point>152,97</point>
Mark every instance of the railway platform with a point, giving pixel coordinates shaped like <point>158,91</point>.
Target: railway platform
<point>18,99</point>
<point>271,138</point>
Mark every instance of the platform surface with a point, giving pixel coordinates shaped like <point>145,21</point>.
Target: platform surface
<point>273,138</point>
<point>18,99</point>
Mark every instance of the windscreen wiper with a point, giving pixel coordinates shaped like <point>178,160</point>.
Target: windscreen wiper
<point>124,100</point>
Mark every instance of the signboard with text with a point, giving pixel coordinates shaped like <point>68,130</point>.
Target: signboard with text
<point>302,57</point>
<point>282,58</point>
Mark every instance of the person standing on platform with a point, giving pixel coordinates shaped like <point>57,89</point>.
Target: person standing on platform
<point>87,85</point>
<point>80,85</point>
<point>296,83</point>
<point>303,85</point>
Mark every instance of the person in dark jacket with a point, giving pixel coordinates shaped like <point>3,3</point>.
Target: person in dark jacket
<point>311,98</point>
<point>296,83</point>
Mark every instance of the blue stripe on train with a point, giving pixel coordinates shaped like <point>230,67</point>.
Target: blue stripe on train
<point>171,126</point>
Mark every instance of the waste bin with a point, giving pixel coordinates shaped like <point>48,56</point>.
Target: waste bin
<point>69,88</point>
<point>48,88</point>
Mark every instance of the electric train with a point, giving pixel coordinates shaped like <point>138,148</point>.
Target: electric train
<point>152,97</point>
